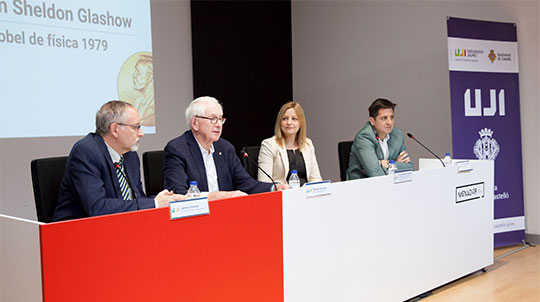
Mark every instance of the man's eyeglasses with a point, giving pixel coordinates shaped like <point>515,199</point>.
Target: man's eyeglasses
<point>213,120</point>
<point>135,127</point>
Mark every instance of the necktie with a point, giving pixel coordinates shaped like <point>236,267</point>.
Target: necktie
<point>124,187</point>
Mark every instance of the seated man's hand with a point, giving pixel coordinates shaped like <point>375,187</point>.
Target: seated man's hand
<point>177,197</point>
<point>281,187</point>
<point>238,193</point>
<point>165,197</point>
<point>225,194</point>
<point>403,157</point>
<point>383,163</point>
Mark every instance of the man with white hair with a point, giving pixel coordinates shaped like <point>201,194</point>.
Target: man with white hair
<point>102,173</point>
<point>201,155</point>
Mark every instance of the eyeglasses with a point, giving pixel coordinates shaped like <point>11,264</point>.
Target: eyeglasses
<point>213,120</point>
<point>134,127</point>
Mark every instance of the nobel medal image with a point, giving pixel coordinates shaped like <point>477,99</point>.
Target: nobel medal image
<point>136,85</point>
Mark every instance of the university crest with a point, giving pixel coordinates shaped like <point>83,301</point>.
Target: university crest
<point>486,147</point>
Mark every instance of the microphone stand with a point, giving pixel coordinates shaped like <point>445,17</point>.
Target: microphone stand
<point>245,154</point>
<point>412,137</point>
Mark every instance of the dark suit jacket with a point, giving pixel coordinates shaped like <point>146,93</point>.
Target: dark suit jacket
<point>366,153</point>
<point>183,162</point>
<point>90,185</point>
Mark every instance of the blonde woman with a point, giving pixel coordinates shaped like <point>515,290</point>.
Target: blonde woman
<point>289,149</point>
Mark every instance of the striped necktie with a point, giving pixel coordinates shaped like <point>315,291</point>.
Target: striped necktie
<point>124,187</point>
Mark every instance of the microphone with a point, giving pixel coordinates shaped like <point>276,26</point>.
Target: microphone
<point>412,137</point>
<point>245,154</point>
<point>117,166</point>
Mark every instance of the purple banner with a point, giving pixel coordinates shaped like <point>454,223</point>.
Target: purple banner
<point>484,94</point>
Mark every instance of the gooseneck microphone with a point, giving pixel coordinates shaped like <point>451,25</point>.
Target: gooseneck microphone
<point>117,166</point>
<point>412,137</point>
<point>245,154</point>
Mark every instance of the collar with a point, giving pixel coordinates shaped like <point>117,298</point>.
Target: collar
<point>115,156</point>
<point>203,150</point>
<point>385,140</point>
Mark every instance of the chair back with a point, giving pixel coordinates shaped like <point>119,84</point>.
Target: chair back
<point>47,175</point>
<point>249,165</point>
<point>344,150</point>
<point>153,172</point>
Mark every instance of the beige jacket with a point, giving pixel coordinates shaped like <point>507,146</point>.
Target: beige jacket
<point>274,160</point>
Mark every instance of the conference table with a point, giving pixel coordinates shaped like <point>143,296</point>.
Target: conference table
<point>387,238</point>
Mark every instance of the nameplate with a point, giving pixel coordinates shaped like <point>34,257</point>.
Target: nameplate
<point>469,192</point>
<point>317,188</point>
<point>464,166</point>
<point>189,208</point>
<point>402,176</point>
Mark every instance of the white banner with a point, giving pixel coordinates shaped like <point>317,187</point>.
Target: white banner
<point>509,224</point>
<point>482,55</point>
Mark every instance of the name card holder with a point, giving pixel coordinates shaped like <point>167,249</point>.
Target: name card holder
<point>402,176</point>
<point>189,208</point>
<point>464,166</point>
<point>317,188</point>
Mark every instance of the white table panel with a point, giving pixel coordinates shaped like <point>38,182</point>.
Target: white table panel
<point>373,240</point>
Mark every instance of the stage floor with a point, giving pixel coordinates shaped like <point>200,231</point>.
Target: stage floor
<point>513,278</point>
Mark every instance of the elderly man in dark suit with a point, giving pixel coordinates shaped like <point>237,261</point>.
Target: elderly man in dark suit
<point>102,172</point>
<point>201,155</point>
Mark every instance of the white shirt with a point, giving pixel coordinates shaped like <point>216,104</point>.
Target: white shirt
<point>210,167</point>
<point>384,146</point>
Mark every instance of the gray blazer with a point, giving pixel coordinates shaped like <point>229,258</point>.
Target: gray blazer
<point>366,153</point>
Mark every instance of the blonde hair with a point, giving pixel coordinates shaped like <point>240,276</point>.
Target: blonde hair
<point>300,139</point>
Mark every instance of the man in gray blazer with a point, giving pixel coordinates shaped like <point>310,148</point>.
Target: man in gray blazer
<point>377,143</point>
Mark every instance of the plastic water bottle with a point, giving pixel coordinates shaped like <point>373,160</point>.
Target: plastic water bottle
<point>392,167</point>
<point>447,160</point>
<point>294,180</point>
<point>193,191</point>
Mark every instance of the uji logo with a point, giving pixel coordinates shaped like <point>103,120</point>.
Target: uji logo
<point>492,56</point>
<point>475,108</point>
<point>460,52</point>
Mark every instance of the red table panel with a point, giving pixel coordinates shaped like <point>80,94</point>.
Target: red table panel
<point>233,254</point>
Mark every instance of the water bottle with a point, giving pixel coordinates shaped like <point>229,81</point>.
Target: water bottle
<point>193,191</point>
<point>294,180</point>
<point>392,167</point>
<point>447,160</point>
